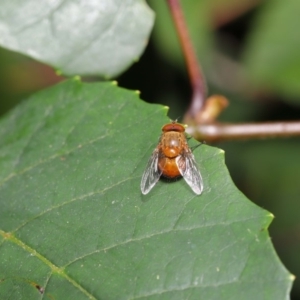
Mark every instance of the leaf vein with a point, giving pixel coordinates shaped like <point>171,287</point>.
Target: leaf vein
<point>81,197</point>
<point>131,240</point>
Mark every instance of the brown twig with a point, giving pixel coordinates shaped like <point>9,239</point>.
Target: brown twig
<point>204,115</point>
<point>196,77</point>
<point>223,132</point>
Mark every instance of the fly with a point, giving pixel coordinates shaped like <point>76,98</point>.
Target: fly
<point>172,158</point>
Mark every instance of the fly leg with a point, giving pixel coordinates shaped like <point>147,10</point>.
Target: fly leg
<point>196,146</point>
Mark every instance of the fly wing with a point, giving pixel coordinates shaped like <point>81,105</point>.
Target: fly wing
<point>151,174</point>
<point>188,169</point>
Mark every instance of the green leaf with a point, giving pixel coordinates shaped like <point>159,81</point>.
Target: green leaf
<point>256,159</point>
<point>272,57</point>
<point>74,224</point>
<point>77,37</point>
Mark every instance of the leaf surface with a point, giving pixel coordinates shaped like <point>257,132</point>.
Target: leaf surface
<point>77,37</point>
<point>75,225</point>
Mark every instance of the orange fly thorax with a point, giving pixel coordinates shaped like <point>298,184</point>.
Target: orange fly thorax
<point>171,145</point>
